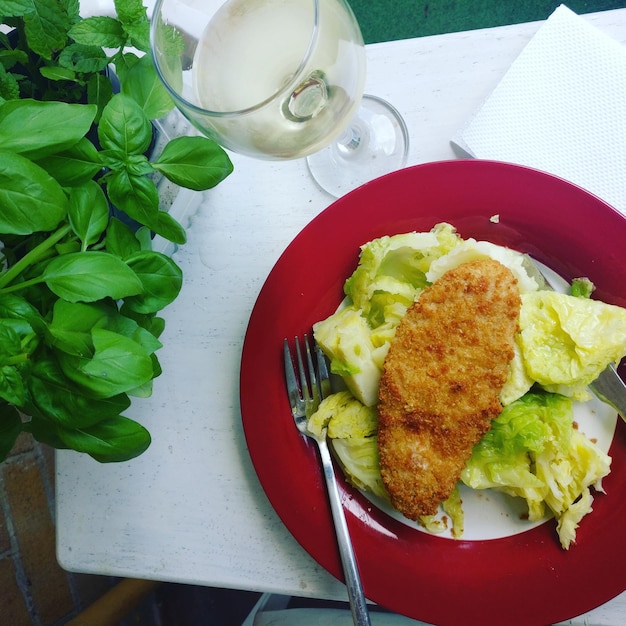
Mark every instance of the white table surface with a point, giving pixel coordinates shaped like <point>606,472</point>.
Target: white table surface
<point>191,509</point>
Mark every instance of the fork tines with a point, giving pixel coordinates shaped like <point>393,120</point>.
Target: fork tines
<point>310,383</point>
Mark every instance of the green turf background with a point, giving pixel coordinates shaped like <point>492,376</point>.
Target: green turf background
<point>387,20</point>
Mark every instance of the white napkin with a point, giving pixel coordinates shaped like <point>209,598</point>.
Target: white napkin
<point>560,108</point>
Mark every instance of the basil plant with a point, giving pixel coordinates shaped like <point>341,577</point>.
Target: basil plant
<point>80,289</point>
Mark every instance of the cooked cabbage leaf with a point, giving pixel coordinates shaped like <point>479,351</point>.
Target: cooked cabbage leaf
<point>388,278</point>
<point>396,267</point>
<point>345,339</point>
<point>453,507</point>
<point>533,451</point>
<point>352,428</point>
<point>344,417</point>
<point>358,457</point>
<point>518,381</point>
<point>567,341</point>
<point>470,249</point>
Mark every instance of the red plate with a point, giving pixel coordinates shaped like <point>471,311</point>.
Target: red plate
<point>523,579</point>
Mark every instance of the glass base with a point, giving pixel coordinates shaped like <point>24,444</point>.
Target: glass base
<point>375,143</point>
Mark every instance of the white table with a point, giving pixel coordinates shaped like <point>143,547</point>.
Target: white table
<point>191,509</point>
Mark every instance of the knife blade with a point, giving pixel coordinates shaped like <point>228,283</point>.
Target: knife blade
<point>610,388</point>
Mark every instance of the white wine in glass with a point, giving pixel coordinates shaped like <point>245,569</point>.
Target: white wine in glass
<point>274,79</point>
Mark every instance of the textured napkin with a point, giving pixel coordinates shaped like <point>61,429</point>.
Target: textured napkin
<point>560,108</point>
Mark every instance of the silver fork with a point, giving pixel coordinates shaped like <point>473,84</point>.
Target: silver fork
<point>306,389</point>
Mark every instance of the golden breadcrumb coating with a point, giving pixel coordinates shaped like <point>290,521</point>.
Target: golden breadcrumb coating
<point>441,381</point>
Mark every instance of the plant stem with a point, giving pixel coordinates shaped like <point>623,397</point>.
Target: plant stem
<point>15,359</point>
<point>22,285</point>
<point>31,67</point>
<point>33,256</point>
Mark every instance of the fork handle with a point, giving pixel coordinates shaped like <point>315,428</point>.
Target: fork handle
<point>358,604</point>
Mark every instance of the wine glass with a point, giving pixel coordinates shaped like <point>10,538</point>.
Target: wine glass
<point>279,79</point>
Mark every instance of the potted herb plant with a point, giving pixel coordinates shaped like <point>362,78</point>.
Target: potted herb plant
<point>81,290</point>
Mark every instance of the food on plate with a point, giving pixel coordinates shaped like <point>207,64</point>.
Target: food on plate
<point>568,341</point>
<point>441,382</point>
<point>532,451</point>
<point>350,420</point>
<point>390,274</point>
<point>533,448</point>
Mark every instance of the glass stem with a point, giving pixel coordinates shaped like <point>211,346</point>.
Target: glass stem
<point>351,139</point>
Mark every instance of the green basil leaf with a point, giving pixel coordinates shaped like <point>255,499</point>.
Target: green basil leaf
<point>124,126</point>
<point>72,323</point>
<point>37,129</point>
<point>161,278</point>
<point>59,401</point>
<point>143,85</point>
<point>99,30</point>
<point>18,341</point>
<point>128,327</point>
<point>120,240</point>
<point>165,225</point>
<point>10,428</point>
<point>153,324</point>
<point>118,365</point>
<point>90,276</point>
<point>12,387</point>
<point>137,196</point>
<point>30,199</point>
<point>88,212</point>
<point>144,236</point>
<point>113,159</point>
<point>156,326</point>
<point>156,366</point>
<point>9,342</point>
<point>138,165</point>
<point>15,307</point>
<point>12,362</point>
<point>66,408</point>
<point>16,338</point>
<point>65,247</point>
<point>110,441</point>
<point>71,328</point>
<point>145,391</point>
<point>119,361</point>
<point>74,166</point>
<point>43,430</point>
<point>194,162</point>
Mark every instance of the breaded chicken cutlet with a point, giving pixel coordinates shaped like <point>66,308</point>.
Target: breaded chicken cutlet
<point>441,381</point>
